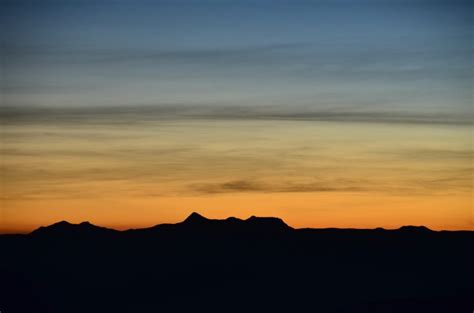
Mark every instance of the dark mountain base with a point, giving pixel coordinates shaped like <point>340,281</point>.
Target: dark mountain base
<point>256,265</point>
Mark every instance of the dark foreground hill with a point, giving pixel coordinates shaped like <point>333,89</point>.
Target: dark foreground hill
<point>233,265</point>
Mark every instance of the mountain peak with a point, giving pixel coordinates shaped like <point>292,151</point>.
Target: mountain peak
<point>66,228</point>
<point>411,228</point>
<point>252,224</point>
<point>274,223</point>
<point>195,218</point>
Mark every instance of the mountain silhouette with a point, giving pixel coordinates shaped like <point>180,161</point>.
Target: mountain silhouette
<point>65,228</point>
<point>415,229</point>
<point>259,264</point>
<point>195,218</point>
<point>196,222</point>
<point>253,224</point>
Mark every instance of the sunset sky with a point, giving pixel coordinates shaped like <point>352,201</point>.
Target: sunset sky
<point>324,113</point>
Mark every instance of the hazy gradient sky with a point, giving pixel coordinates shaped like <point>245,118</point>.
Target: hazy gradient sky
<point>325,113</point>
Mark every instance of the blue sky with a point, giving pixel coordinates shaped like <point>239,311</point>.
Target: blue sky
<point>392,58</point>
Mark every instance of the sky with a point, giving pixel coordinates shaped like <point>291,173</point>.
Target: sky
<point>324,113</point>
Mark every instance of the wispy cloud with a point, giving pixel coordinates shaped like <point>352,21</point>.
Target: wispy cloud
<point>143,113</point>
<point>266,53</point>
<point>258,186</point>
<point>455,155</point>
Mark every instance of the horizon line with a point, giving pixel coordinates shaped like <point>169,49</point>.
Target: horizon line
<point>2,232</point>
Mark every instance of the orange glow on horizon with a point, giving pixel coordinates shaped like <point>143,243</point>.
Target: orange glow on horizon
<point>349,210</point>
<point>347,175</point>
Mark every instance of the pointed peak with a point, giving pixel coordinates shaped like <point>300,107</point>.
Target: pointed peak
<point>195,217</point>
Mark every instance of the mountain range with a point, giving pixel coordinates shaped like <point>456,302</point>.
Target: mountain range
<point>259,264</point>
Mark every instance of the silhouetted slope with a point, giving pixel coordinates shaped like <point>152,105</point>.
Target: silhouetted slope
<point>197,222</point>
<point>197,225</point>
<point>196,219</point>
<point>235,265</point>
<point>64,228</point>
